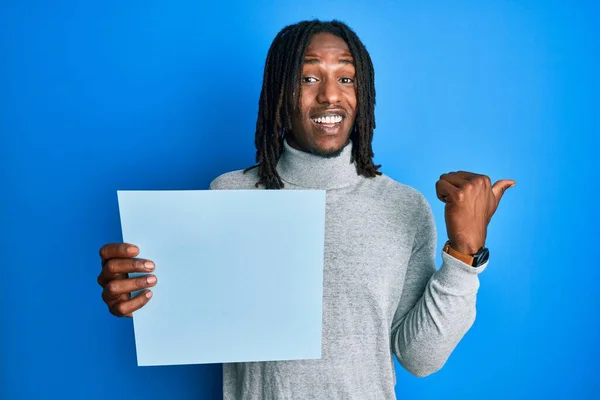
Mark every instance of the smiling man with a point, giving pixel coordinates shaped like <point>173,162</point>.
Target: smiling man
<point>382,294</point>
<point>325,116</point>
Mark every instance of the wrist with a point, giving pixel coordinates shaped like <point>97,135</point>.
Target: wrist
<point>465,248</point>
<point>474,259</point>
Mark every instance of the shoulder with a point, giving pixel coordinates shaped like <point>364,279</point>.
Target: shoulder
<point>397,192</point>
<point>406,201</point>
<point>235,180</point>
<point>403,200</point>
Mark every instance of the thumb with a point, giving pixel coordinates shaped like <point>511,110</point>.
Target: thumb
<point>500,187</point>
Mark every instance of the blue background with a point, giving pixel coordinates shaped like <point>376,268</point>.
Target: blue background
<point>100,96</point>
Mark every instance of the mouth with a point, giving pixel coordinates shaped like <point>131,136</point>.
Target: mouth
<point>329,122</point>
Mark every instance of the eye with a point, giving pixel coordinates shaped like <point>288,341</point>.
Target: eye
<point>308,79</point>
<point>347,80</point>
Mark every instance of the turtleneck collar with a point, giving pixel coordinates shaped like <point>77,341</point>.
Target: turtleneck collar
<point>311,171</point>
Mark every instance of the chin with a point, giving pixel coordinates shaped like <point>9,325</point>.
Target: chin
<point>330,151</point>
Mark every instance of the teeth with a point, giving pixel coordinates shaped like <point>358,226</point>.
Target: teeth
<point>330,119</point>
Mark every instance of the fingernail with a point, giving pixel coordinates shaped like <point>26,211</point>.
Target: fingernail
<point>148,294</point>
<point>149,265</point>
<point>131,250</point>
<point>151,279</point>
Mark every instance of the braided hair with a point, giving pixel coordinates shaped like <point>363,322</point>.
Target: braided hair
<point>281,82</point>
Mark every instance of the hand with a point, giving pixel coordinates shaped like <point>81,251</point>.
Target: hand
<point>471,201</point>
<point>118,261</point>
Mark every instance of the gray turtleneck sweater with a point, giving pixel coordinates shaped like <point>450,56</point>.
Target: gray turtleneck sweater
<point>382,294</point>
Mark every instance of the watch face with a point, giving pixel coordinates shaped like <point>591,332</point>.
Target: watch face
<point>481,257</point>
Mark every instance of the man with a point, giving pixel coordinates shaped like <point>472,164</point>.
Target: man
<point>382,293</point>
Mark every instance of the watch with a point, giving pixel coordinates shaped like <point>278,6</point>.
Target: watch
<point>474,260</point>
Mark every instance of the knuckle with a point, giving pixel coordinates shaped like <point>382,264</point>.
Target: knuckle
<point>110,266</point>
<point>112,288</point>
<point>102,252</point>
<point>460,195</point>
<point>137,264</point>
<point>141,283</point>
<point>106,298</point>
<point>120,309</point>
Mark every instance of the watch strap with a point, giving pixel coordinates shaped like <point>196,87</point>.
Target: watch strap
<point>466,258</point>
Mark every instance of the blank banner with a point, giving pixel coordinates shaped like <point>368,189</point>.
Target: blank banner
<point>240,274</point>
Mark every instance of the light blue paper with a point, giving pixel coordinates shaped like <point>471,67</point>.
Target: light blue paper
<point>240,274</point>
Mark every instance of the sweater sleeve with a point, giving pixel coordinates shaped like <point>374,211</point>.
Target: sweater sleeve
<point>436,308</point>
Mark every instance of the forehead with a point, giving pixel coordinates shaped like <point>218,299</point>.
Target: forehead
<point>322,44</point>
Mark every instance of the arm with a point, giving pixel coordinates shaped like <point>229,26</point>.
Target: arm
<point>436,308</point>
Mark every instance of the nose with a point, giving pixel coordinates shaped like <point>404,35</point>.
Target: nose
<point>329,92</point>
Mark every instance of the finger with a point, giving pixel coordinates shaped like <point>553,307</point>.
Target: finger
<point>119,299</point>
<point>118,250</point>
<point>454,179</point>
<point>446,191</point>
<point>127,265</point>
<point>128,307</point>
<point>118,268</point>
<point>500,187</point>
<point>117,287</point>
<point>104,278</point>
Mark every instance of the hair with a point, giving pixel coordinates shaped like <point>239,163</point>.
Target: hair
<point>281,83</point>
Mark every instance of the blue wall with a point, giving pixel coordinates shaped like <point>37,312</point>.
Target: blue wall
<point>100,96</point>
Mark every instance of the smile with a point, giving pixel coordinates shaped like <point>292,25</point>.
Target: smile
<point>328,119</point>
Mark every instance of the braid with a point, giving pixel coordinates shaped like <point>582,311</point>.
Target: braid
<point>280,84</point>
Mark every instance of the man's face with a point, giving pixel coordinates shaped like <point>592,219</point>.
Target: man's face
<point>323,124</point>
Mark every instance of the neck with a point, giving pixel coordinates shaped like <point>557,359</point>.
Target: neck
<point>313,171</point>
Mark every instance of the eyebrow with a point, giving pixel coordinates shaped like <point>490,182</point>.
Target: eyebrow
<point>312,60</point>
